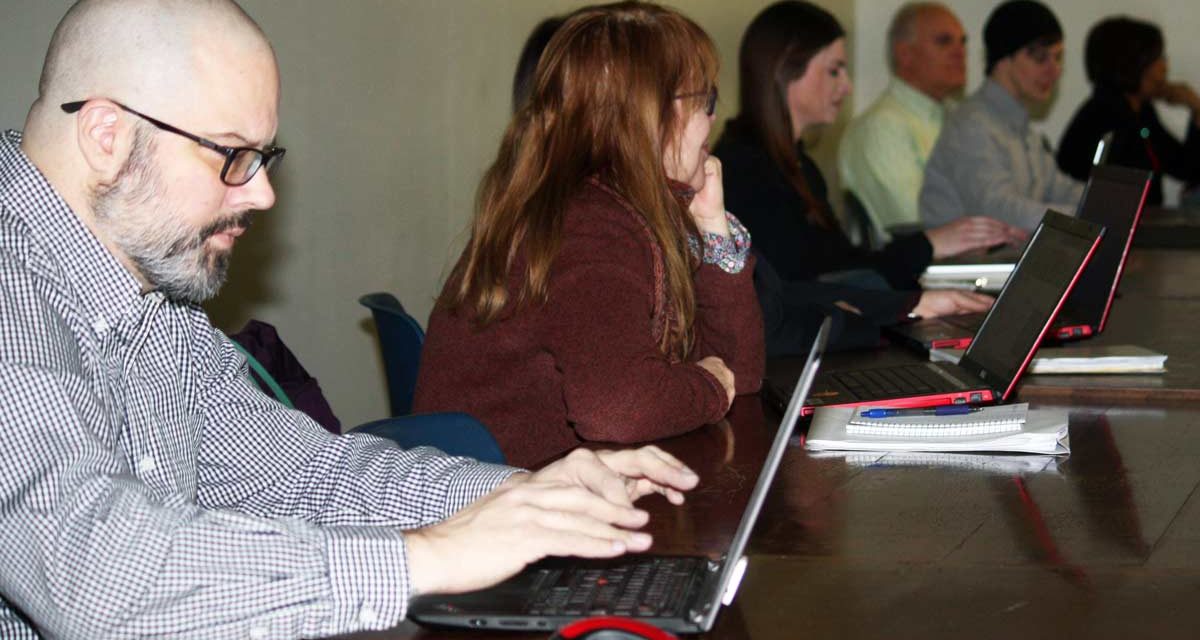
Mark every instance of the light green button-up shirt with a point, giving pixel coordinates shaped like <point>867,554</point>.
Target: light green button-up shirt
<point>883,152</point>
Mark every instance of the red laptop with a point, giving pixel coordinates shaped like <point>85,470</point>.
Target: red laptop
<point>1114,198</point>
<point>1011,332</point>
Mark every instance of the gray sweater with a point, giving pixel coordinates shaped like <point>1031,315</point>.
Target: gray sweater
<point>989,162</point>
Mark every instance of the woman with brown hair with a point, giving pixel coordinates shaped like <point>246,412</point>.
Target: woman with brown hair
<point>605,293</point>
<point>793,80</point>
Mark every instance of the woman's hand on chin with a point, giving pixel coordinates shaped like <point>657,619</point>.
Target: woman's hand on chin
<point>708,207</point>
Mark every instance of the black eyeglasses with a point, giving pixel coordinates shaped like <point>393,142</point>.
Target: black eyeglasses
<point>241,163</point>
<point>710,106</point>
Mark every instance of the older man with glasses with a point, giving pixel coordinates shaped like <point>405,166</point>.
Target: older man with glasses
<point>988,160</point>
<point>883,152</point>
<point>148,488</point>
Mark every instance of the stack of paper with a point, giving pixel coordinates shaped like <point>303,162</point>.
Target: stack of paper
<point>994,463</point>
<point>1042,431</point>
<point>1080,359</point>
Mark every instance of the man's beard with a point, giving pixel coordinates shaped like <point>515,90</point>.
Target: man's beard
<point>148,228</point>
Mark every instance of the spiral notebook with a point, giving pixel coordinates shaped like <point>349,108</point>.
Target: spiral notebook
<point>987,420</point>
<point>1043,431</point>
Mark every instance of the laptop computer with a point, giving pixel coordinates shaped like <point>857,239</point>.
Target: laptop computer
<point>1114,198</point>
<point>681,594</point>
<point>1011,332</point>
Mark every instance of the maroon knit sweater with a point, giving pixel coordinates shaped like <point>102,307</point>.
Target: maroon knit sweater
<point>586,364</point>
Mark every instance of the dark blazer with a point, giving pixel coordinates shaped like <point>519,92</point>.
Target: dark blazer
<point>759,194</point>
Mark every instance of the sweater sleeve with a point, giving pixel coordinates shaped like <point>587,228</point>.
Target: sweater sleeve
<point>618,386</point>
<point>903,259</point>
<point>729,324</point>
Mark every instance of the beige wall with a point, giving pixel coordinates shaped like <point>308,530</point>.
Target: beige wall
<point>391,112</point>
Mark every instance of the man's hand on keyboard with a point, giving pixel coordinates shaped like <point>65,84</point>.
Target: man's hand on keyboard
<point>581,505</point>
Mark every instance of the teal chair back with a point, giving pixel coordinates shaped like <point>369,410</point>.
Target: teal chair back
<point>457,434</point>
<point>400,340</point>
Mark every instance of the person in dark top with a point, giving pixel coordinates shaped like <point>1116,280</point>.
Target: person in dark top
<point>797,245</point>
<point>792,311</point>
<point>793,77</point>
<point>1128,69</point>
<point>531,53</point>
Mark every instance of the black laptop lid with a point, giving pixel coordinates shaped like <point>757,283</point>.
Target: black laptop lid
<point>1114,199</point>
<point>1028,302</point>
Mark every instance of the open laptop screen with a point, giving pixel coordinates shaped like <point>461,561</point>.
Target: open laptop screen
<point>1025,307</point>
<point>1114,198</point>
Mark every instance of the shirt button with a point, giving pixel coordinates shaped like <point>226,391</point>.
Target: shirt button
<point>367,615</point>
<point>146,464</point>
<point>258,633</point>
<point>100,325</point>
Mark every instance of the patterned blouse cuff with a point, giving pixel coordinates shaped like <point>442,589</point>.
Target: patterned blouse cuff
<point>727,253</point>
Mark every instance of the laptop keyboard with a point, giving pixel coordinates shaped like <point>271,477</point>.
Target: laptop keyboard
<point>652,587</point>
<point>890,382</point>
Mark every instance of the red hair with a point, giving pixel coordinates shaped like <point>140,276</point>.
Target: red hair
<point>603,104</point>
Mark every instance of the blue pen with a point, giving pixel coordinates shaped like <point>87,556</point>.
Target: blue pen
<point>944,410</point>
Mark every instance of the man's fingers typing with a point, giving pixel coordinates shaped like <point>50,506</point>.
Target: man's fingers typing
<point>652,468</point>
<point>595,474</point>
<point>574,499</point>
<point>577,524</point>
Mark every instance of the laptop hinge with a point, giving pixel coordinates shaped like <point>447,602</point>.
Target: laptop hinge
<point>703,603</point>
<point>735,580</point>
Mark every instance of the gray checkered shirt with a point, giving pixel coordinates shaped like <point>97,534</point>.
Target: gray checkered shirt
<point>149,489</point>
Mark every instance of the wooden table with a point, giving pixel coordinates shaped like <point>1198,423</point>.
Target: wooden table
<point>1168,229</point>
<point>1105,542</point>
<point>1166,325</point>
<point>1102,544</point>
<point>1163,273</point>
<point>1159,308</point>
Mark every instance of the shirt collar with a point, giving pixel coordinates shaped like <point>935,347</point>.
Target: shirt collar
<point>104,288</point>
<point>1004,105</point>
<point>915,100</point>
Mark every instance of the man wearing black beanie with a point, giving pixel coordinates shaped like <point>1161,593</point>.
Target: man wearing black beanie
<point>987,160</point>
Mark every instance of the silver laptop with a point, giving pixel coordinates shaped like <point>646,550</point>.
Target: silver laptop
<point>681,594</point>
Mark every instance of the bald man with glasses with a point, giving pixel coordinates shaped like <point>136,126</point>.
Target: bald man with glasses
<point>149,488</point>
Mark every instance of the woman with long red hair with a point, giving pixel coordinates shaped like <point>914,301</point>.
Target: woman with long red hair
<point>605,293</point>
